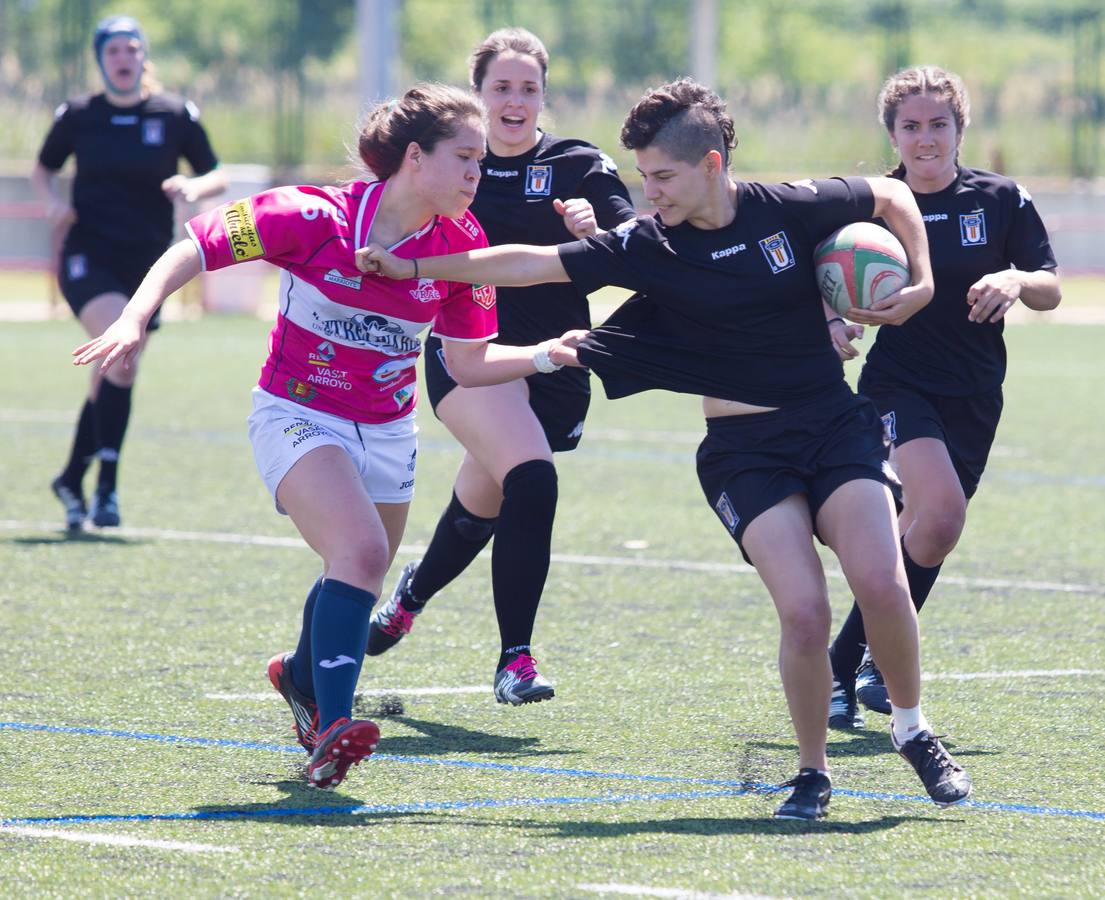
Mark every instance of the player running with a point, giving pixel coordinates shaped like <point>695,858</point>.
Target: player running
<point>127,142</point>
<point>332,427</point>
<point>728,308</point>
<point>545,189</point>
<point>937,379</point>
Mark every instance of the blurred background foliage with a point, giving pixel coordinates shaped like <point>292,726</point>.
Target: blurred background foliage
<point>277,81</point>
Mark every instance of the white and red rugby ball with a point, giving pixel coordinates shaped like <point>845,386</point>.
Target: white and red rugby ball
<point>859,264</point>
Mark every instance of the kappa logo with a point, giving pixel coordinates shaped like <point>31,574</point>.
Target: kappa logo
<point>426,291</point>
<point>340,660</point>
<point>576,432</point>
<point>501,173</point>
<point>728,251</point>
<point>726,512</point>
<point>484,295</point>
<point>935,217</point>
<point>538,181</point>
<point>1025,197</point>
<point>972,228</point>
<point>806,183</point>
<point>625,230</point>
<point>777,250</point>
<point>890,426</point>
<point>608,165</point>
<point>349,281</point>
<point>153,132</point>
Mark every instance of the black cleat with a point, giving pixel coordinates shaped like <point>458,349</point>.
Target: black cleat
<point>870,688</point>
<point>944,779</point>
<point>392,621</point>
<point>519,682</point>
<point>105,509</point>
<point>844,712</point>
<point>810,798</point>
<point>75,509</point>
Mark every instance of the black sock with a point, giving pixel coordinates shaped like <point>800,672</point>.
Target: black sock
<point>458,539</point>
<point>300,669</point>
<point>847,650</point>
<point>510,654</point>
<point>84,448</point>
<point>112,414</point>
<point>920,578</point>
<point>520,557</point>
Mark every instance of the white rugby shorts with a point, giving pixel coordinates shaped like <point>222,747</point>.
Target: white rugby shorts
<point>283,431</point>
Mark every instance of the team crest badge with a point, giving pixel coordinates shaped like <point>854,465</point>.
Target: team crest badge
<point>300,391</point>
<point>777,250</point>
<point>153,132</point>
<point>727,513</point>
<point>538,181</point>
<point>484,295</point>
<point>890,426</point>
<point>972,228</point>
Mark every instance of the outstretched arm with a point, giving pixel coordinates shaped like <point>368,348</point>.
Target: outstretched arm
<point>198,187</point>
<point>177,266</point>
<point>478,363</point>
<point>508,265</point>
<point>895,205</point>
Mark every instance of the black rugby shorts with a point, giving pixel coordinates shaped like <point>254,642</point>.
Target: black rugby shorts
<point>88,268</point>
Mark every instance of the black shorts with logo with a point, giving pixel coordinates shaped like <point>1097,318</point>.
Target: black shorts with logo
<point>966,425</point>
<point>88,268</point>
<point>748,464</point>
<point>559,400</point>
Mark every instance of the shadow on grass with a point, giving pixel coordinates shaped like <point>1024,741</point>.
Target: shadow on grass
<point>438,739</point>
<point>865,742</point>
<point>76,537</point>
<point>712,827</point>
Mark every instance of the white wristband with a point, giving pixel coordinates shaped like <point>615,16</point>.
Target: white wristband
<point>541,360</point>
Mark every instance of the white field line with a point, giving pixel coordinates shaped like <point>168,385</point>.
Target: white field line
<point>482,688</point>
<point>640,890</point>
<point>219,537</point>
<point>370,692</point>
<point>114,840</point>
<point>1000,676</point>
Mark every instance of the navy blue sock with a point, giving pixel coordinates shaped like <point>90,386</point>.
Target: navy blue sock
<point>299,667</point>
<point>84,448</point>
<point>339,635</point>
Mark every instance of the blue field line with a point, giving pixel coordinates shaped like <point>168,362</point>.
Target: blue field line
<point>735,787</point>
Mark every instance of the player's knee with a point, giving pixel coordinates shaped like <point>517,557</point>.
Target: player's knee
<point>533,484</point>
<point>880,592</point>
<point>363,562</point>
<point>805,629</point>
<point>935,535</point>
<point>469,526</point>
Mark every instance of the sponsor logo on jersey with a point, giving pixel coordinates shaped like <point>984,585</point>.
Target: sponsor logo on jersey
<point>484,295</point>
<point>972,228</point>
<point>300,391</point>
<point>538,181</point>
<point>777,250</point>
<point>349,281</point>
<point>1025,197</point>
<point>935,217</point>
<point>302,431</point>
<point>625,230</point>
<point>806,183</point>
<point>153,132</point>
<point>468,227</point>
<point>728,251</point>
<point>76,266</point>
<point>726,512</point>
<point>608,165</point>
<point>241,230</point>
<point>392,369</point>
<point>331,378</point>
<point>326,352</point>
<point>310,212</point>
<point>124,120</point>
<point>502,173</point>
<point>403,396</point>
<point>426,291</point>
<point>890,426</point>
<point>369,330</point>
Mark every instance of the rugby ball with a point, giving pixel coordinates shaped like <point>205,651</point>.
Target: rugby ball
<point>859,264</point>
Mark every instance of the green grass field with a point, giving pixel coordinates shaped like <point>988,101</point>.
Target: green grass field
<point>142,751</point>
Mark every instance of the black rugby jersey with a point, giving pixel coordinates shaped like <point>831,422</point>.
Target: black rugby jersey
<point>732,312</point>
<point>123,154</point>
<point>514,204</point>
<point>980,223</point>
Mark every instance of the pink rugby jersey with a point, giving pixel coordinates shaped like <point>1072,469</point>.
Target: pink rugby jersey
<point>345,343</point>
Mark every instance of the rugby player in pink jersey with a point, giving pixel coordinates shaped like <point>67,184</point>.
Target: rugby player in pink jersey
<point>332,426</point>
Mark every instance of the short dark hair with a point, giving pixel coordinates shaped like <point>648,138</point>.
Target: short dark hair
<point>425,114</point>
<point>683,118</point>
<point>519,40</point>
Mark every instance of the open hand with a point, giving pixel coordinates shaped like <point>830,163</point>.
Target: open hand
<point>121,340</point>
